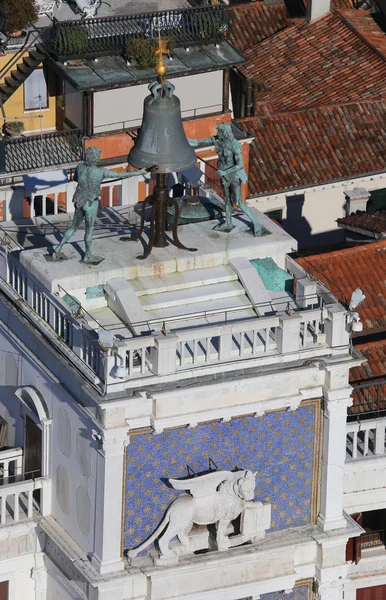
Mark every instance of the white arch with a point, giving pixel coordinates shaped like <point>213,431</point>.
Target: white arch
<point>36,399</point>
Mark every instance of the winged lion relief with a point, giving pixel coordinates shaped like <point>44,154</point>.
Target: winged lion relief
<point>214,498</point>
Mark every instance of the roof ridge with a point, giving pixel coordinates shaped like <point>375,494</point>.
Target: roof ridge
<point>372,344</point>
<point>287,29</point>
<point>309,109</point>
<point>360,35</point>
<point>352,249</point>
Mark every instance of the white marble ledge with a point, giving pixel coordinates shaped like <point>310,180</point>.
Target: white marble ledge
<point>220,575</point>
<point>275,545</point>
<point>15,530</point>
<point>372,565</point>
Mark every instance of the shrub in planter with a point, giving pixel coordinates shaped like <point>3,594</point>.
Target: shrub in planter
<point>69,40</point>
<point>143,50</point>
<point>13,128</point>
<point>19,14</point>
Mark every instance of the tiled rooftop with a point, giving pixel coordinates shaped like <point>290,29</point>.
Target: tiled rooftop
<point>371,398</point>
<point>374,224</point>
<point>375,353</point>
<point>367,25</point>
<point>315,64</point>
<point>253,22</point>
<point>311,147</point>
<point>342,271</point>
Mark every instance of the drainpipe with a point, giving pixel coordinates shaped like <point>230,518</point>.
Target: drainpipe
<point>249,107</point>
<point>87,114</point>
<point>225,90</point>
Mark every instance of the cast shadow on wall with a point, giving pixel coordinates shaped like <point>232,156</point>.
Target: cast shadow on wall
<point>298,226</point>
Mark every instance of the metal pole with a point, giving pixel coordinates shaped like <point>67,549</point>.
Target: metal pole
<point>161,199</point>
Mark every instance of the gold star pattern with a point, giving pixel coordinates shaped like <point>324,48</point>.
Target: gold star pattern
<point>279,445</point>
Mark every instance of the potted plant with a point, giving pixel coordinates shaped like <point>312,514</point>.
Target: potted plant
<point>143,50</point>
<point>69,39</point>
<point>19,14</point>
<point>13,128</point>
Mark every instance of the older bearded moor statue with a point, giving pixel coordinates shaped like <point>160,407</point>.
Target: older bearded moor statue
<point>86,200</point>
<point>232,174</point>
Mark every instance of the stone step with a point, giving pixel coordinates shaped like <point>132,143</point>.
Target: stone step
<point>11,82</point>
<point>18,75</point>
<point>203,295</point>
<point>184,315</point>
<point>182,280</point>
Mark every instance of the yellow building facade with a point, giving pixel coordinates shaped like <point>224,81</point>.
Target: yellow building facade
<point>37,113</point>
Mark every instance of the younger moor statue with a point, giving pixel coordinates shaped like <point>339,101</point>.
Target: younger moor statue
<point>86,200</point>
<point>232,174</point>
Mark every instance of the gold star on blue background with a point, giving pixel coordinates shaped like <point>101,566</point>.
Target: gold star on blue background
<point>278,445</point>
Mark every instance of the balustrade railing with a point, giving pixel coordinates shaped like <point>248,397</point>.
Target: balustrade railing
<point>225,342</point>
<point>17,500</point>
<point>366,438</point>
<point>101,36</point>
<point>184,344</point>
<point>32,152</point>
<point>372,539</point>
<point>11,464</point>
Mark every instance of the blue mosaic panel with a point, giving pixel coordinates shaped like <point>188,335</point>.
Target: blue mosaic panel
<point>300,592</point>
<point>279,445</point>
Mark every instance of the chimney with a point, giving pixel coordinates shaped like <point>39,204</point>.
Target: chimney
<point>317,9</point>
<point>356,199</point>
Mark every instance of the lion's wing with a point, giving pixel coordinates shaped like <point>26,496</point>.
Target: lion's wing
<point>204,485</point>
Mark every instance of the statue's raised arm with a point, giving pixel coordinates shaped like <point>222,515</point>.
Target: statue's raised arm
<point>202,142</point>
<point>86,200</point>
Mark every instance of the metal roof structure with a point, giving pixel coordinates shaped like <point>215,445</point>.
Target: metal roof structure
<point>113,71</point>
<point>37,152</point>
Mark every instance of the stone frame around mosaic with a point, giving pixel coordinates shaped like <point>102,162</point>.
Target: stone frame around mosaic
<point>315,468</point>
<point>301,591</point>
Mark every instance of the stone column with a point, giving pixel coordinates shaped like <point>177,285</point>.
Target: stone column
<point>331,590</point>
<point>39,575</point>
<point>336,401</point>
<point>108,522</point>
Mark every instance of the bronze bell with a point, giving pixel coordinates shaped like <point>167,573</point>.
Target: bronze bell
<point>162,140</point>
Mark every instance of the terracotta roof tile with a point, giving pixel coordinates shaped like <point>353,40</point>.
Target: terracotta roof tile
<point>312,64</point>
<point>308,148</point>
<point>365,24</point>
<point>253,22</point>
<point>342,271</point>
<point>375,223</point>
<point>373,397</point>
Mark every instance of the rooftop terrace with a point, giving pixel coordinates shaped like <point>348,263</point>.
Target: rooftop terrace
<point>128,323</point>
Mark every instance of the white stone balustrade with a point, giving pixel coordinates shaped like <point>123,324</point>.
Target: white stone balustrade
<point>205,345</point>
<point>17,502</point>
<point>366,438</point>
<point>10,460</point>
<point>163,353</point>
<point>135,355</point>
<point>49,198</point>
